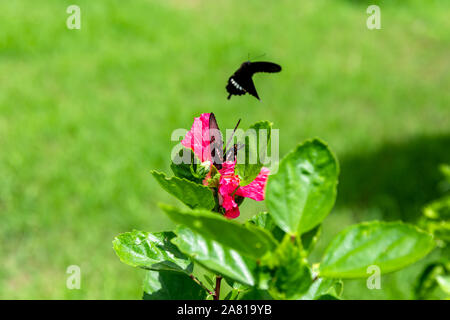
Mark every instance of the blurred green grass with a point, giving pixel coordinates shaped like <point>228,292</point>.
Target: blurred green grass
<point>85,114</point>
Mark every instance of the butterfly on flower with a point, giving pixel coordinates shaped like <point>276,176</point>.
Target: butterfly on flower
<point>205,140</point>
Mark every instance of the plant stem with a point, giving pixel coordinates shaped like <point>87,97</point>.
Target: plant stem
<point>200,284</point>
<point>217,290</point>
<point>293,238</point>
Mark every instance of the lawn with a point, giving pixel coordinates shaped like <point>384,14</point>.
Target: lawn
<point>86,114</point>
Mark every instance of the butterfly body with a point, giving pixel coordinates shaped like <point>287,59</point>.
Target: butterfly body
<point>219,152</point>
<point>241,81</point>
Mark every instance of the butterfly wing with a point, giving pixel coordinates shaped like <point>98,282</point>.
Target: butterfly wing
<point>234,86</point>
<point>249,86</point>
<point>263,66</point>
<point>241,82</point>
<point>216,142</point>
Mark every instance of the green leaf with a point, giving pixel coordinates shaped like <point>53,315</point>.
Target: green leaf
<point>264,220</point>
<point>256,294</point>
<point>322,287</point>
<point>255,151</point>
<point>191,171</point>
<point>292,276</point>
<point>426,282</point>
<point>444,283</point>
<point>167,285</point>
<point>210,281</point>
<point>438,209</point>
<point>390,246</point>
<point>427,286</point>
<point>437,218</point>
<point>215,256</point>
<point>237,291</point>
<point>310,238</point>
<point>303,191</point>
<point>440,229</point>
<point>151,251</point>
<point>249,240</point>
<point>190,193</point>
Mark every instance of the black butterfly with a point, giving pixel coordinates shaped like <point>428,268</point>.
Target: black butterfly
<point>241,81</point>
<point>219,154</point>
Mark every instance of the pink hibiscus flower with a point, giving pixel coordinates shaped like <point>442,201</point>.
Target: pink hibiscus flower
<point>229,187</point>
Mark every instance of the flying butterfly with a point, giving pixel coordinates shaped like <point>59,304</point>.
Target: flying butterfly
<point>219,154</point>
<point>241,81</point>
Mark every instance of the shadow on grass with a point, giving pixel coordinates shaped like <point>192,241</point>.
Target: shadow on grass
<point>396,180</point>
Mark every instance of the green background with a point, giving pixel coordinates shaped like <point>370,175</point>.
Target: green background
<point>86,114</point>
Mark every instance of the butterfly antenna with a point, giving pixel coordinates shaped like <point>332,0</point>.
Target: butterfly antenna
<point>231,138</point>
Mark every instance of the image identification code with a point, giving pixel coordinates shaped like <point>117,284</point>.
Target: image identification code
<point>237,309</point>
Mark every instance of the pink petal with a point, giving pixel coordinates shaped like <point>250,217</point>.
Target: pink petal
<point>256,189</point>
<point>197,138</point>
<point>228,183</point>
<point>228,202</point>
<point>232,214</point>
<point>228,168</point>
